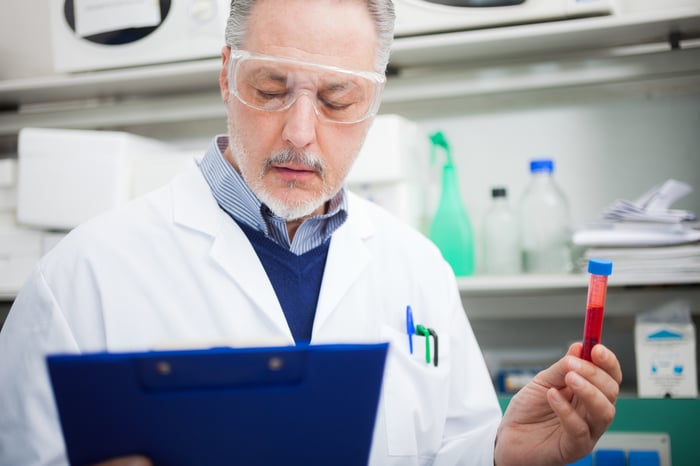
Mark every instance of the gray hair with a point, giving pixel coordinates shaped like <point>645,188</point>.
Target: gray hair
<point>381,11</point>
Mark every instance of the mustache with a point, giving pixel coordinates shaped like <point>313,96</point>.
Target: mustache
<point>305,158</point>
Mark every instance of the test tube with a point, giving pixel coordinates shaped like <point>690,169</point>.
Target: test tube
<point>595,304</point>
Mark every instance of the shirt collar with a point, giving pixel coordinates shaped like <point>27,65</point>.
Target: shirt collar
<point>236,198</point>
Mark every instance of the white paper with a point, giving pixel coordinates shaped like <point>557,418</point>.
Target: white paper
<point>653,206</point>
<point>661,197</point>
<point>633,238</point>
<point>98,16</point>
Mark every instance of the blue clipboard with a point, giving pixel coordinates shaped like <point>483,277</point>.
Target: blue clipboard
<point>296,405</point>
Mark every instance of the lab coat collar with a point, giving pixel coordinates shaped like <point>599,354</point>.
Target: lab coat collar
<point>348,257</point>
<point>195,208</point>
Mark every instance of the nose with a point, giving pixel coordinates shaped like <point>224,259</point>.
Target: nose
<point>300,126</point>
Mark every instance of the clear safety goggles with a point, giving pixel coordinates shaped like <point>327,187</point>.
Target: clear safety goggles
<point>273,84</point>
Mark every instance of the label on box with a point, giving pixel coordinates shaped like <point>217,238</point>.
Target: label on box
<point>666,363</point>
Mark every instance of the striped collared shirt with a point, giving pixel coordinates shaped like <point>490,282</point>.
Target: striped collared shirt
<point>235,197</point>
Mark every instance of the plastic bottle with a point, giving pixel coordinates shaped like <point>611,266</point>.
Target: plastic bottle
<point>545,231</point>
<point>450,228</point>
<point>501,239</point>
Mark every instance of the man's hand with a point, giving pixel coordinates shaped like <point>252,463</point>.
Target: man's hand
<point>559,416</point>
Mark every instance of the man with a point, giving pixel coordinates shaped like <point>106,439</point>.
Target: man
<point>261,243</point>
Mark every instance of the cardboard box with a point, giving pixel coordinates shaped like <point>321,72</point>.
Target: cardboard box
<point>665,353</point>
<point>67,176</point>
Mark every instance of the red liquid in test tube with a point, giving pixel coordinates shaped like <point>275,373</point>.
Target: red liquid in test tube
<point>595,304</point>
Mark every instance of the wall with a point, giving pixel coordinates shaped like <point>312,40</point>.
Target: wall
<point>25,48</point>
<point>608,143</point>
<point>604,149</point>
<point>607,148</point>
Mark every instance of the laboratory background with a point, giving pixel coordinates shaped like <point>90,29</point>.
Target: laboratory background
<point>606,93</point>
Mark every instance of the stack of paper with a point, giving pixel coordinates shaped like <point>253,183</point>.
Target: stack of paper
<point>653,206</point>
<point>669,262</point>
<point>645,237</point>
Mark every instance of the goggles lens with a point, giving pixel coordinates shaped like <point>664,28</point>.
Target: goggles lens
<point>273,84</point>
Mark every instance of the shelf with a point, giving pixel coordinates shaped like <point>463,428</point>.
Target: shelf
<point>552,38</point>
<point>486,62</point>
<point>577,71</point>
<point>564,296</point>
<point>484,285</point>
<point>490,284</point>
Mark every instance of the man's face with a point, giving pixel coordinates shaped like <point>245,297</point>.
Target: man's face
<point>292,159</point>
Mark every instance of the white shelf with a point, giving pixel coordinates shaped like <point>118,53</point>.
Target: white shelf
<point>559,54</point>
<point>564,296</point>
<point>483,285</point>
<point>7,294</point>
<point>576,71</point>
<point>487,284</point>
<point>552,38</point>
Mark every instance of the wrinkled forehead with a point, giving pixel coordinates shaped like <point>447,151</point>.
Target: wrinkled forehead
<point>283,69</point>
<point>329,32</point>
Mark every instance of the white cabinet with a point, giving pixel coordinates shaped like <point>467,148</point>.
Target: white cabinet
<point>428,71</point>
<point>431,76</point>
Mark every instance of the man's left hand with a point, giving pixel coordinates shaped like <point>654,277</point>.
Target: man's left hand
<point>559,416</point>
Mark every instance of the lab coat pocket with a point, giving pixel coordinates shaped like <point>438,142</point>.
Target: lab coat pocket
<point>415,394</point>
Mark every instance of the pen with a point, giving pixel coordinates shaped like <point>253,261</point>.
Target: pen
<point>410,328</point>
<point>595,304</point>
<point>420,330</point>
<point>433,333</point>
<point>427,333</point>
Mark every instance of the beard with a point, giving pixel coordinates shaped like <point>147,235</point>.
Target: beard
<point>285,207</point>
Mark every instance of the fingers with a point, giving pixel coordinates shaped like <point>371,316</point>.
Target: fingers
<point>606,360</point>
<point>604,373</point>
<point>585,419</point>
<point>595,391</point>
<point>595,386</point>
<point>571,421</point>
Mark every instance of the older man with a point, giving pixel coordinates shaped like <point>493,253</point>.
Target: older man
<point>261,242</point>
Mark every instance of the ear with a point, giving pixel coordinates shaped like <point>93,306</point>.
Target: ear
<point>223,73</point>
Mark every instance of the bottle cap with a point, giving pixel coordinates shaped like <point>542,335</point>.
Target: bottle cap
<point>498,192</point>
<point>600,266</point>
<point>541,165</point>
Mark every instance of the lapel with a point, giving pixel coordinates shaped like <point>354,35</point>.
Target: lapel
<point>348,257</point>
<point>195,208</point>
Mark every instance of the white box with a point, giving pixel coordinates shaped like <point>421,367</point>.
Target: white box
<point>20,249</point>
<point>8,187</point>
<point>666,364</point>
<point>393,169</point>
<point>68,176</point>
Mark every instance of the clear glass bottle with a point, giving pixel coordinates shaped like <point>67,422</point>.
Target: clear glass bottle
<point>545,229</point>
<point>501,242</point>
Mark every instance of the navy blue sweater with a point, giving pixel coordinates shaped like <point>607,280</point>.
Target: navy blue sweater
<point>295,279</point>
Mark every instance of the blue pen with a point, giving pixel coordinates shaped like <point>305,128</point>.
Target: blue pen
<point>410,328</point>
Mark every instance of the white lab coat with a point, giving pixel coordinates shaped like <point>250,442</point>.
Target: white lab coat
<point>172,268</point>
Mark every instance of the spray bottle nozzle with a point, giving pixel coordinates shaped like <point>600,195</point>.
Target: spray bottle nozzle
<point>438,140</point>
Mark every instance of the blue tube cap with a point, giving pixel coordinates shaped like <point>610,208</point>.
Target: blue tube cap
<point>599,266</point>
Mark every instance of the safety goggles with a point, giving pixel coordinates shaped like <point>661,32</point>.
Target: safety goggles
<point>273,84</point>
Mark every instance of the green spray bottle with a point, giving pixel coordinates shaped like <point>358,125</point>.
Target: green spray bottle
<point>450,229</point>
